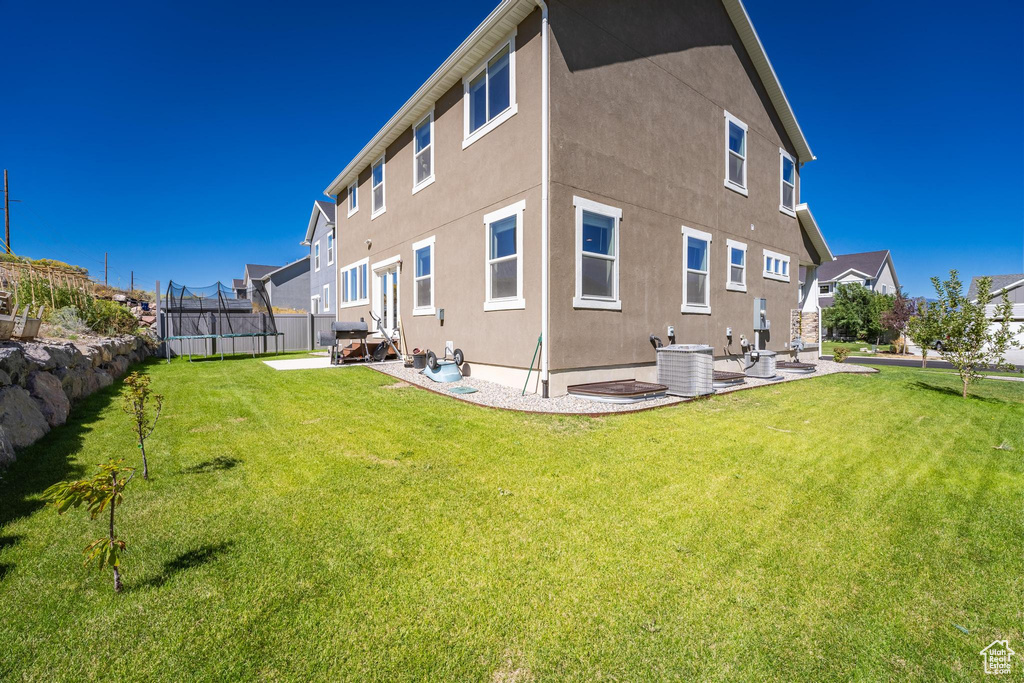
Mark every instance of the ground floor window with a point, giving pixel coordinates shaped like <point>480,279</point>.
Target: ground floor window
<point>696,271</point>
<point>776,266</point>
<point>353,289</point>
<point>504,258</point>
<point>423,277</point>
<point>737,281</point>
<point>597,255</point>
<point>327,298</point>
<point>314,304</point>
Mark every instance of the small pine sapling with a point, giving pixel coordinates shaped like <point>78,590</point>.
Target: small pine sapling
<point>136,396</point>
<point>105,491</point>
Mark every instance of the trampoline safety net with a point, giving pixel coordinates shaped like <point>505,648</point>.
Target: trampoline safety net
<point>215,312</point>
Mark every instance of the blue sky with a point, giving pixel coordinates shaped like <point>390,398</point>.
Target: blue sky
<point>187,138</point>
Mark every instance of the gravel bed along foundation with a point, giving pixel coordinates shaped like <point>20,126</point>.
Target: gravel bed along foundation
<point>500,396</point>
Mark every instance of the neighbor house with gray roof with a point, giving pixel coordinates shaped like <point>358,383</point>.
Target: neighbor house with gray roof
<point>322,243</point>
<point>873,269</point>
<point>287,286</point>
<point>1012,287</point>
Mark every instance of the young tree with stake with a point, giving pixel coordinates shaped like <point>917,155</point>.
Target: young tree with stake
<point>970,341</point>
<point>105,491</point>
<point>136,395</point>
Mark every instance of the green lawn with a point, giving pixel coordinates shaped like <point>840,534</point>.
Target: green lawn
<point>829,347</point>
<point>324,525</point>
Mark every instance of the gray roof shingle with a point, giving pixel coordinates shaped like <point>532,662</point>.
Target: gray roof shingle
<point>257,271</point>
<point>998,282</point>
<point>326,207</point>
<point>869,262</point>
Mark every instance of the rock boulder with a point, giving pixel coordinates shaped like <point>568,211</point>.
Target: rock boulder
<point>48,392</point>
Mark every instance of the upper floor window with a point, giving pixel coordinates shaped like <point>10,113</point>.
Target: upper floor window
<point>504,274</point>
<point>377,188</point>
<point>423,277</point>
<point>597,255</point>
<point>423,153</point>
<point>735,154</point>
<point>696,271</point>
<point>330,249</point>
<point>316,256</point>
<point>787,190</point>
<point>490,92</point>
<point>353,198</point>
<point>776,266</point>
<point>737,281</point>
<point>353,283</point>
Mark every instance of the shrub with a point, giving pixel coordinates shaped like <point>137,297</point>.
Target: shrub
<point>66,323</point>
<point>840,354</point>
<point>109,318</point>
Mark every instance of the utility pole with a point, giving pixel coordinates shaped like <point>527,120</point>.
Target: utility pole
<point>104,269</point>
<point>7,214</point>
<point>132,290</point>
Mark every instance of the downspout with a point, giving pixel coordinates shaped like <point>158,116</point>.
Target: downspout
<point>545,182</point>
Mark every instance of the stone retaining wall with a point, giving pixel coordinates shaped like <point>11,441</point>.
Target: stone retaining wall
<point>39,382</point>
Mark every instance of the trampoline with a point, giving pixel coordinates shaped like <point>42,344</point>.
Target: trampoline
<point>213,315</point>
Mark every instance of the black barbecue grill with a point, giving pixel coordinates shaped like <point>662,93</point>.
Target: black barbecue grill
<point>342,332</point>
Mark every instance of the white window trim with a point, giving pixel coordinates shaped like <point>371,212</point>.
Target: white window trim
<point>513,106</point>
<point>512,303</point>
<point>327,298</point>
<point>383,186</point>
<point>353,191</point>
<point>579,301</point>
<point>331,246</point>
<point>742,189</point>
<point>416,187</point>
<point>703,309</point>
<point>771,275</point>
<point>343,273</point>
<point>424,310</point>
<point>316,256</point>
<point>789,211</point>
<point>729,284</point>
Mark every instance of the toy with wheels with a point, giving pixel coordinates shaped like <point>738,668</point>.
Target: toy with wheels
<point>447,369</point>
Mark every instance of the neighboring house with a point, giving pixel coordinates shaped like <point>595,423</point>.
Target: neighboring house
<point>253,271</point>
<point>873,269</point>
<point>323,275</point>
<point>288,286</point>
<point>1011,286</point>
<point>588,173</point>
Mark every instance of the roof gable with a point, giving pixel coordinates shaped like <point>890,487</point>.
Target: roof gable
<point>320,209</point>
<point>868,263</point>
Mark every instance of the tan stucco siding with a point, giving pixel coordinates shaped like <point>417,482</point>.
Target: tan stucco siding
<point>638,94</point>
<point>494,172</point>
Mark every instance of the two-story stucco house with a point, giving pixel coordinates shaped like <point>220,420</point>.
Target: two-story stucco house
<point>323,270</point>
<point>586,172</point>
<point>873,269</point>
<point>1012,287</point>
